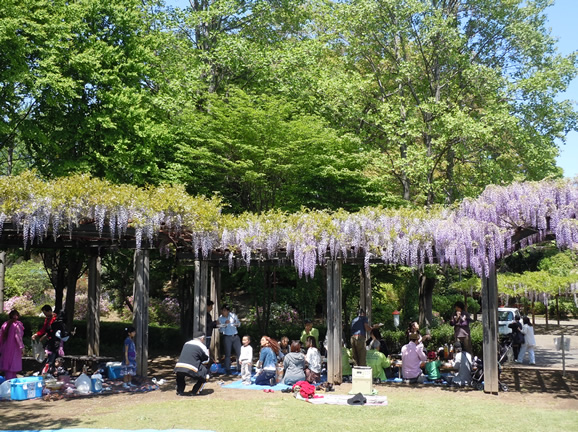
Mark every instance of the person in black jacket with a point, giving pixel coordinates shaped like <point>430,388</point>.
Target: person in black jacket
<point>192,362</point>
<point>517,336</point>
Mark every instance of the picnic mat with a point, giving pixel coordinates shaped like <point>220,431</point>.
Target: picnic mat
<point>333,399</point>
<point>239,385</point>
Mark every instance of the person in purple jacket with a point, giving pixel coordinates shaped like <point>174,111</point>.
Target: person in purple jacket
<point>461,323</point>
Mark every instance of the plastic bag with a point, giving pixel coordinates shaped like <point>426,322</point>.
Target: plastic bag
<point>82,384</point>
<point>38,351</point>
<point>5,388</point>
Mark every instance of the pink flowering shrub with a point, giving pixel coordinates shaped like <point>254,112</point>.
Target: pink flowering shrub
<point>81,306</point>
<point>23,304</point>
<point>166,311</point>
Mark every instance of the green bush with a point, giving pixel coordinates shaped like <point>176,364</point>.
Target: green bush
<point>567,308</point>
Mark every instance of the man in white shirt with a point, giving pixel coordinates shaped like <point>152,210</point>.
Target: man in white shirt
<point>228,323</point>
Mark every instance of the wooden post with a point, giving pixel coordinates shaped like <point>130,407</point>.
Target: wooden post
<point>141,309</point>
<point>200,295</point>
<point>334,321</point>
<point>365,292</point>
<point>490,326</point>
<point>93,313</point>
<point>215,295</point>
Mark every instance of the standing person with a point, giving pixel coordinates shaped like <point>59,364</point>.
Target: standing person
<point>192,362</point>
<point>128,368</point>
<point>529,342</point>
<point>246,360</point>
<point>309,331</point>
<point>52,324</point>
<point>359,328</point>
<point>461,323</point>
<point>228,323</point>
<point>294,365</point>
<point>517,336</point>
<point>210,324</point>
<point>11,345</point>
<point>312,362</point>
<point>267,362</point>
<point>412,357</point>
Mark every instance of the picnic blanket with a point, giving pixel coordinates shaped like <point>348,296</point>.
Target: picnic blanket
<point>239,385</point>
<point>333,399</point>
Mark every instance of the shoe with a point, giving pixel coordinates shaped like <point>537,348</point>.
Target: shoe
<point>125,385</point>
<point>532,364</point>
<point>184,394</point>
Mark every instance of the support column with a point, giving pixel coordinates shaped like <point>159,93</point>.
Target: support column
<point>200,295</point>
<point>365,292</point>
<point>93,312</point>
<point>334,322</point>
<point>215,295</point>
<point>490,326</point>
<point>141,309</point>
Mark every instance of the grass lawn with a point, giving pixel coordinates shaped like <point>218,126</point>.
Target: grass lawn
<point>409,409</point>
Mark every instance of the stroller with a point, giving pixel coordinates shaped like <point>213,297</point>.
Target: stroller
<point>504,353</point>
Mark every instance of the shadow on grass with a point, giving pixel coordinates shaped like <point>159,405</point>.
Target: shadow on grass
<point>32,417</point>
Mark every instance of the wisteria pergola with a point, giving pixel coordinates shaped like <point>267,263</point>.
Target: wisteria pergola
<point>92,214</point>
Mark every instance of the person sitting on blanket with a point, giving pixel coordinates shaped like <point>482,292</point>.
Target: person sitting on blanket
<point>267,364</point>
<point>463,364</point>
<point>294,365</point>
<point>284,347</point>
<point>412,357</point>
<point>312,361</point>
<point>377,361</point>
<point>432,367</point>
<point>192,362</point>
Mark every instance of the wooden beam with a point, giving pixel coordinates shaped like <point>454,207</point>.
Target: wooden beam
<point>215,295</point>
<point>141,309</point>
<point>365,292</point>
<point>334,322</point>
<point>93,312</point>
<point>200,295</point>
<point>490,327</point>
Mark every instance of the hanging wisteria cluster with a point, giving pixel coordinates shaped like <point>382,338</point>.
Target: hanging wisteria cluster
<point>475,235</point>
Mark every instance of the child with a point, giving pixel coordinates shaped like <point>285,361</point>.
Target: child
<point>246,359</point>
<point>128,369</point>
<point>58,370</point>
<point>312,361</point>
<point>432,367</point>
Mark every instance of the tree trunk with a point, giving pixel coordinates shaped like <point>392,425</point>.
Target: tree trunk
<point>426,287</point>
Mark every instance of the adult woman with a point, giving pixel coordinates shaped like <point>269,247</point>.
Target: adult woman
<point>294,365</point>
<point>312,361</point>
<point>11,345</point>
<point>267,362</point>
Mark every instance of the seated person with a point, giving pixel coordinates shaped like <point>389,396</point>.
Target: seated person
<point>377,361</point>
<point>412,357</point>
<point>284,347</point>
<point>375,335</point>
<point>58,370</point>
<point>267,365</point>
<point>294,365</point>
<point>463,364</point>
<point>346,362</point>
<point>312,362</point>
<point>432,367</point>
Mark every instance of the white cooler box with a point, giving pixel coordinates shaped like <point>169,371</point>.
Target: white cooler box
<point>362,380</point>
